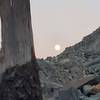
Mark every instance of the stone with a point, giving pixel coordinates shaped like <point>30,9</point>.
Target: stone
<point>71,94</point>
<point>21,83</point>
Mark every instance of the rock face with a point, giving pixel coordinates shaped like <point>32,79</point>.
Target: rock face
<point>75,62</point>
<point>21,83</point>
<point>17,35</point>
<point>21,80</point>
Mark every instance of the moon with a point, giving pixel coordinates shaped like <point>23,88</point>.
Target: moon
<point>57,47</point>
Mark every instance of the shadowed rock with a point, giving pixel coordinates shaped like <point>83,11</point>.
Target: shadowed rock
<point>21,83</point>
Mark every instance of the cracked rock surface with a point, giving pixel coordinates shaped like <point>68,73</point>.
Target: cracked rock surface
<point>21,83</point>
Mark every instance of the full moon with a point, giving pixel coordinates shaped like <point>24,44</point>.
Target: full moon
<point>57,47</point>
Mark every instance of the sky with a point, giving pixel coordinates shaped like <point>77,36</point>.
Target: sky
<point>62,22</point>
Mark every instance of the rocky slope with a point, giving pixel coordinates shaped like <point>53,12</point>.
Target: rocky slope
<point>73,63</point>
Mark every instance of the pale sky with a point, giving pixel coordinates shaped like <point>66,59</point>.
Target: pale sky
<point>63,22</point>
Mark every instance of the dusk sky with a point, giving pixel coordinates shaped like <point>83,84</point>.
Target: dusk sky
<point>62,22</point>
